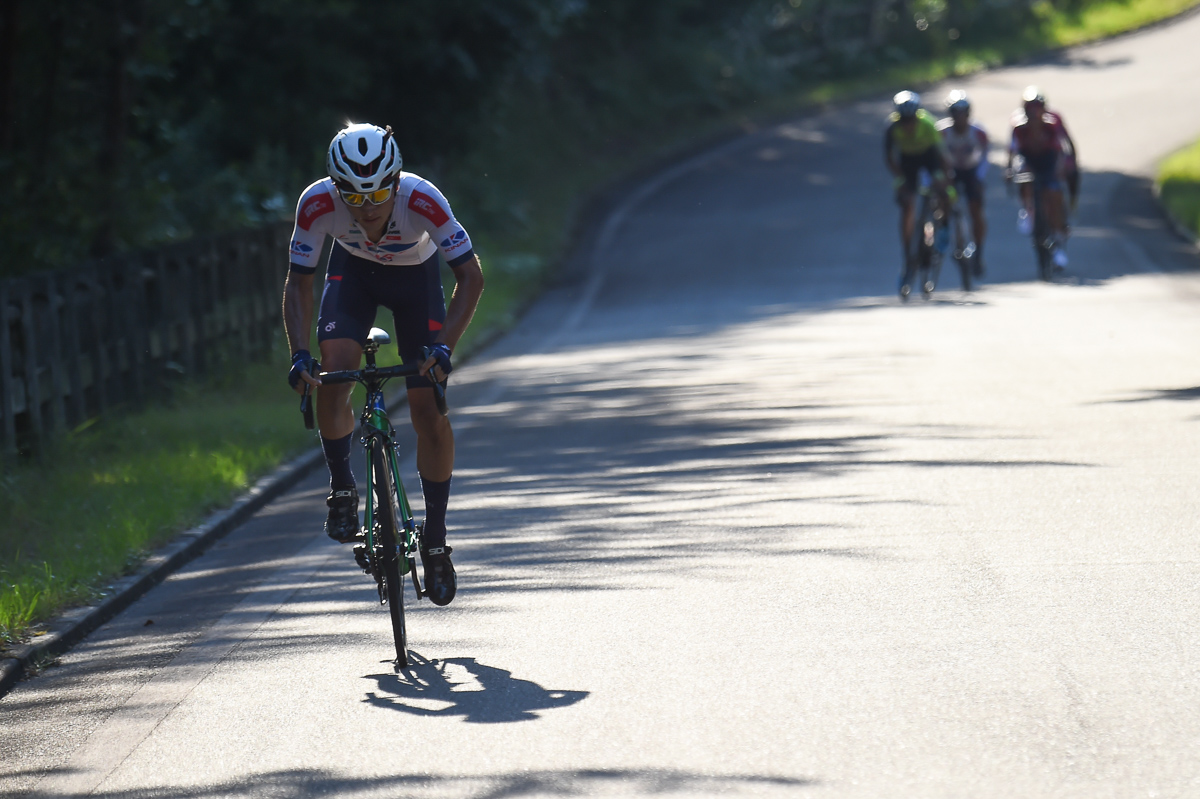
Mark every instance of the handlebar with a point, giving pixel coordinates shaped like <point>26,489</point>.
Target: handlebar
<point>369,374</point>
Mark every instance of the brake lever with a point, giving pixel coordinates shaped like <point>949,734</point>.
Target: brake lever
<point>306,406</point>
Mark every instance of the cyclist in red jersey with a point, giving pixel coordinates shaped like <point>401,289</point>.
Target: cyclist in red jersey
<point>388,228</point>
<point>1039,144</point>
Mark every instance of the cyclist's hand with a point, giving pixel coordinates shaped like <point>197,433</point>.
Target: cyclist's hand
<point>437,364</point>
<point>304,369</point>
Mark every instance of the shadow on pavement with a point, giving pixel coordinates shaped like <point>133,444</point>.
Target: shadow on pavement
<point>300,783</point>
<point>463,687</point>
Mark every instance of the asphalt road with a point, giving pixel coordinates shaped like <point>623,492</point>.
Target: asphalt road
<point>729,518</point>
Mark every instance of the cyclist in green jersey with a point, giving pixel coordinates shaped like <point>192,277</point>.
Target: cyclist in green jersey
<point>911,144</point>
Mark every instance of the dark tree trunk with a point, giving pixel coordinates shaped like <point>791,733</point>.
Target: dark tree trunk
<point>8,73</point>
<point>124,28</point>
<point>877,23</point>
<point>47,113</point>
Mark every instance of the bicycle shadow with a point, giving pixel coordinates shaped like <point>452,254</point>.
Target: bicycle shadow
<point>463,687</point>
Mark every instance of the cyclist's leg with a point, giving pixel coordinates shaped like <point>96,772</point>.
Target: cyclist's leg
<point>419,308</point>
<point>906,195</point>
<point>347,312</point>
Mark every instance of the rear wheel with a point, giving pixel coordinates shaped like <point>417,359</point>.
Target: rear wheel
<point>387,548</point>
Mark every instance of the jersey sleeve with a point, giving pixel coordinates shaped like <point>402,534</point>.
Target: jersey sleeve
<point>314,213</point>
<point>432,213</point>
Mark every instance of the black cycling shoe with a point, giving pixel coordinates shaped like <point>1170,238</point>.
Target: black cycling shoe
<point>342,523</point>
<point>440,581</point>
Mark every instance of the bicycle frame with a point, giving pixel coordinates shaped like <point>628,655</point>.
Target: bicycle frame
<point>376,424</point>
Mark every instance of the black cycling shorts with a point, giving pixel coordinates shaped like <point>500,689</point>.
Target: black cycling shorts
<point>967,181</point>
<point>1044,168</point>
<point>354,290</point>
<point>911,166</point>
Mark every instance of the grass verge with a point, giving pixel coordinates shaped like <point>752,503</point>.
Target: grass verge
<point>90,510</point>
<point>1179,186</point>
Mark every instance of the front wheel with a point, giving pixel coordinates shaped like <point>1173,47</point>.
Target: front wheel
<point>387,547</point>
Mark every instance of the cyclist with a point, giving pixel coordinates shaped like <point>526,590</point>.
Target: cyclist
<point>388,227</point>
<point>1039,147</point>
<point>967,147</point>
<point>911,144</point>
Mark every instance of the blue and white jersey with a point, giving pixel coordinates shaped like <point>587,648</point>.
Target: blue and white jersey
<point>421,223</point>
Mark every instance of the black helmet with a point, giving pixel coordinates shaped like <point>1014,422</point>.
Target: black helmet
<point>906,104</point>
<point>957,102</point>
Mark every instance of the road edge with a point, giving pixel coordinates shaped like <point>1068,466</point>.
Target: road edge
<point>74,625</point>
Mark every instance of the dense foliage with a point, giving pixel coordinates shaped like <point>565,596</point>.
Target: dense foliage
<point>129,122</point>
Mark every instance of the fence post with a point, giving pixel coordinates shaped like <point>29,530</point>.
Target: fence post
<point>33,383</point>
<point>54,356</point>
<point>6,374</point>
<point>71,350</point>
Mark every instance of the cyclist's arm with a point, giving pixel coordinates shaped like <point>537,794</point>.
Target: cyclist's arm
<point>468,288</point>
<point>889,151</point>
<point>297,314</point>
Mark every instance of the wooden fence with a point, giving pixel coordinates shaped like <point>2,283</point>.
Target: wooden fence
<point>74,345</point>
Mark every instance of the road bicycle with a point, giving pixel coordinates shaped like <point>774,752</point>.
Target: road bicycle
<point>930,239</point>
<point>1044,242</point>
<point>389,539</point>
<point>965,254</point>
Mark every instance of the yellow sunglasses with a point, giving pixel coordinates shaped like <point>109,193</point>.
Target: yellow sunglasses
<point>378,197</point>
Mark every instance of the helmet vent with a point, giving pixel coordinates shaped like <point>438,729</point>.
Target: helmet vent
<point>363,147</point>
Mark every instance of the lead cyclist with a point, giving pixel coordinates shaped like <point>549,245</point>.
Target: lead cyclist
<point>388,227</point>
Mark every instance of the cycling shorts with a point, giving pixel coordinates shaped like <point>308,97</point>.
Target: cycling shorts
<point>1043,167</point>
<point>968,182</point>
<point>354,290</point>
<point>911,166</point>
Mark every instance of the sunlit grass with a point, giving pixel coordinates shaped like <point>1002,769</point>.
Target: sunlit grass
<point>1179,186</point>
<point>98,501</point>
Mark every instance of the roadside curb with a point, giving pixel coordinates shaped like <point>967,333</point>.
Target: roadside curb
<point>73,626</point>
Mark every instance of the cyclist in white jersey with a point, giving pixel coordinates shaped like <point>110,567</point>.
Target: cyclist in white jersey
<point>967,144</point>
<point>388,227</point>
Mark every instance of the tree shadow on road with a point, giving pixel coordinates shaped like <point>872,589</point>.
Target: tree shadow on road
<point>301,783</point>
<point>464,687</point>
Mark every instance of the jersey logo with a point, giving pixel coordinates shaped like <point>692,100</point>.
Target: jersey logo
<point>313,209</point>
<point>458,239</point>
<point>428,207</point>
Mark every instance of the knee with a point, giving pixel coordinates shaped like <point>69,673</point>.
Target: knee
<point>428,421</point>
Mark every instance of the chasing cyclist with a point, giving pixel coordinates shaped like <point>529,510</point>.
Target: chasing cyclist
<point>912,144</point>
<point>1042,149</point>
<point>967,148</point>
<point>388,228</point>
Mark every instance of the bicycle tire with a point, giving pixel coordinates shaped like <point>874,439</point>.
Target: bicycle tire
<point>385,515</point>
<point>1041,234</point>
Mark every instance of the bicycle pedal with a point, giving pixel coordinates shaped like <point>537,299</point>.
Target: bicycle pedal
<point>360,557</point>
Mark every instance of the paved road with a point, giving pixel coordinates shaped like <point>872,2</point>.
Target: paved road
<point>731,519</point>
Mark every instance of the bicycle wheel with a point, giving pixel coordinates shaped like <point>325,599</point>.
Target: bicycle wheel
<point>1041,237</point>
<point>387,546</point>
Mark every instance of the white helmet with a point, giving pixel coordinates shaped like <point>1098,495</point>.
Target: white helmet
<point>363,158</point>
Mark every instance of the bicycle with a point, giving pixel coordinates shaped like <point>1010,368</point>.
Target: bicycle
<point>964,244</point>
<point>1044,241</point>
<point>928,242</point>
<point>390,538</point>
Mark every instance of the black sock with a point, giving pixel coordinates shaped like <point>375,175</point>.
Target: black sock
<point>337,458</point>
<point>437,496</point>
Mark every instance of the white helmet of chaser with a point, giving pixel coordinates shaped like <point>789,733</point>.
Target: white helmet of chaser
<point>363,158</point>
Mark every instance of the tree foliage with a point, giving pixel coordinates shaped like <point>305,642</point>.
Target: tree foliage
<point>125,123</point>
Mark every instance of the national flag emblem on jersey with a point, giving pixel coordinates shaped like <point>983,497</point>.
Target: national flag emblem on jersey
<point>429,208</point>
<point>314,208</point>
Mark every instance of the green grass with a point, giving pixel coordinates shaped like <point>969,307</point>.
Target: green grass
<point>91,509</point>
<point>1179,186</point>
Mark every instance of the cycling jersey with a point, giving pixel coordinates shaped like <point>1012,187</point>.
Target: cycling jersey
<point>967,151</point>
<point>923,136</point>
<point>421,224</point>
<point>1051,136</point>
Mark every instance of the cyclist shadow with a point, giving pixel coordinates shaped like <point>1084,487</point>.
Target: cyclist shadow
<point>462,687</point>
